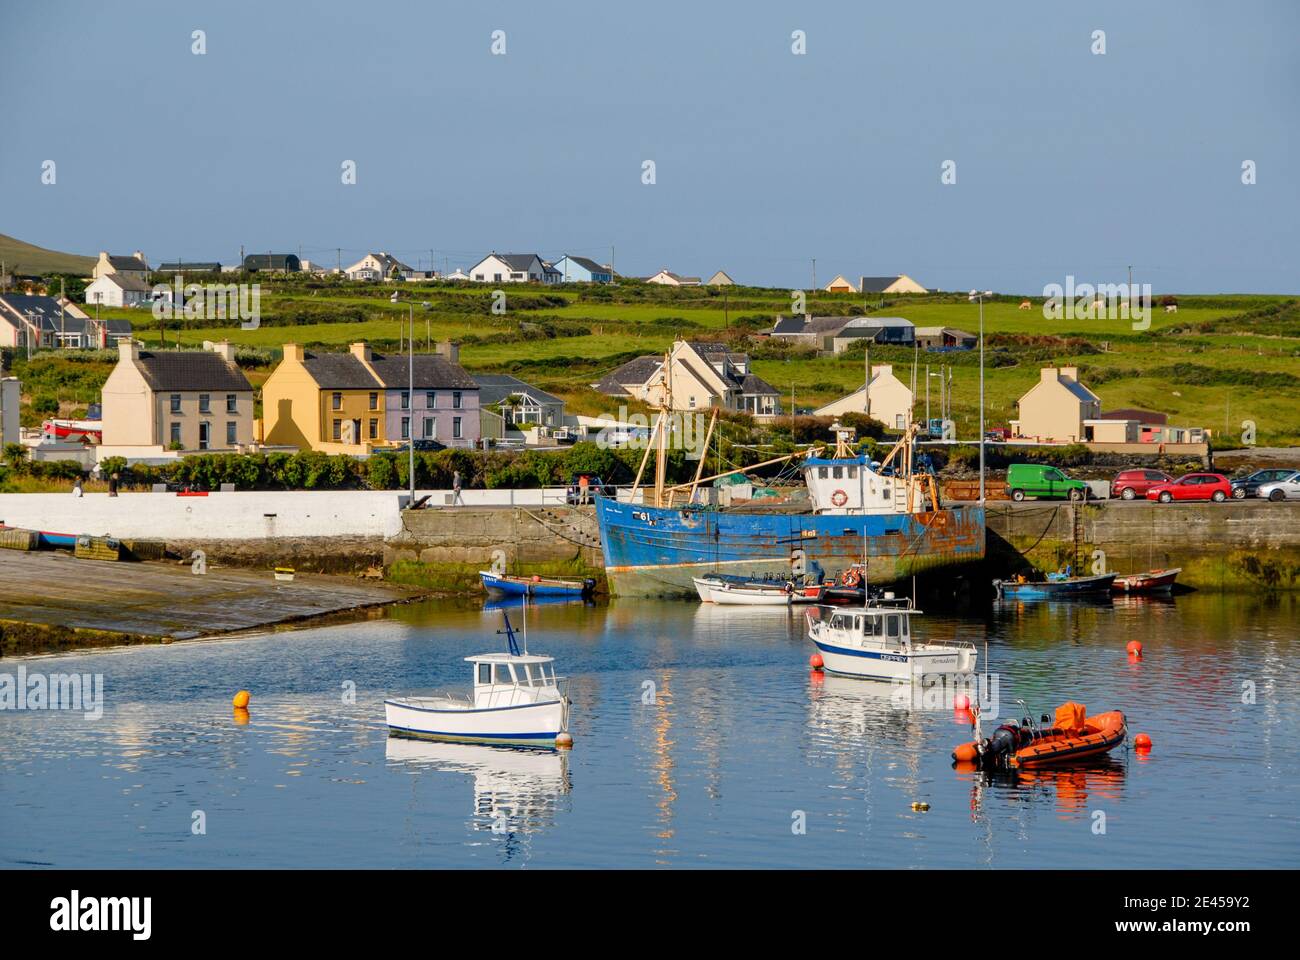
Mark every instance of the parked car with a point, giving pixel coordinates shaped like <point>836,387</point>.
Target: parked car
<point>1288,488</point>
<point>1037,480</point>
<point>1132,484</point>
<point>583,492</point>
<point>1243,487</point>
<point>1192,486</point>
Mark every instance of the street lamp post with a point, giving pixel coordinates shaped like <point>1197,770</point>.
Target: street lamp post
<point>410,395</point>
<point>976,295</point>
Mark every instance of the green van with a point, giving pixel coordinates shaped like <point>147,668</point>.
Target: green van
<point>1036,480</point>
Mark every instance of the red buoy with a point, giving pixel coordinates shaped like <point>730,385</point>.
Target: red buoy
<point>1135,648</point>
<point>815,661</point>
<point>961,702</point>
<point>1142,742</point>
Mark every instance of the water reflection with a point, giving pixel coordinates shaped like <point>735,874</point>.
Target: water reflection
<point>514,790</point>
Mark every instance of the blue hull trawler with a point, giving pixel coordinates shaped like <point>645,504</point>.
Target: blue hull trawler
<point>854,507</point>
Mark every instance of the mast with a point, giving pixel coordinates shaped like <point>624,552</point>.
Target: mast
<point>666,399</point>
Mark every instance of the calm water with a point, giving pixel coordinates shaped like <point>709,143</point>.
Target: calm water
<point>741,737</point>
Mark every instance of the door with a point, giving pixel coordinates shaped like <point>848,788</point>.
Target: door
<point>205,432</point>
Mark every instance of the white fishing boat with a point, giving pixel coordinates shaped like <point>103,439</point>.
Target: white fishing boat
<point>875,642</point>
<point>737,591</point>
<point>516,699</point>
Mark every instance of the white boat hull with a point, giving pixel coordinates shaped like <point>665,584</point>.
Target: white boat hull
<point>885,664</point>
<point>722,592</point>
<point>537,724</point>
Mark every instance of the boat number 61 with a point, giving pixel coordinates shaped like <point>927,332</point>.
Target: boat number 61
<point>643,516</point>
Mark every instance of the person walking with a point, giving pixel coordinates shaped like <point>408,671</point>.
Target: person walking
<point>112,484</point>
<point>455,489</point>
<point>76,487</point>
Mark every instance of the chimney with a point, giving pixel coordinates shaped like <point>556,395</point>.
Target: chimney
<point>140,256</point>
<point>128,349</point>
<point>360,350</point>
<point>1071,372</point>
<point>449,350</point>
<point>1049,374</point>
<point>293,351</point>
<point>224,349</point>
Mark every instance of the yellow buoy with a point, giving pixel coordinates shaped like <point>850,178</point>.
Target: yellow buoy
<point>920,806</point>
<point>241,699</point>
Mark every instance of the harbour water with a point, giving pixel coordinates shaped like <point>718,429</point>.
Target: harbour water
<point>701,740</point>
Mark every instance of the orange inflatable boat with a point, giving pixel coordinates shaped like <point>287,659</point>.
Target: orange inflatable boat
<point>1073,736</point>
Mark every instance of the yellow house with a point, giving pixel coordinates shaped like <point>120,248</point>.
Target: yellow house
<point>182,400</point>
<point>331,402</point>
<point>900,283</point>
<point>1057,408</point>
<point>841,284</point>
<point>890,400</point>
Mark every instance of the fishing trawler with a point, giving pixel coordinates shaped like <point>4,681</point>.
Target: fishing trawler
<point>656,546</point>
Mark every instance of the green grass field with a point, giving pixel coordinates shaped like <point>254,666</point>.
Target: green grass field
<point>1241,369</point>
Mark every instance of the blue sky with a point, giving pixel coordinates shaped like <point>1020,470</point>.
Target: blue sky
<point>1067,162</point>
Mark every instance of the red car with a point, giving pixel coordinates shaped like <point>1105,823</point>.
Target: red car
<point>1132,484</point>
<point>1193,486</point>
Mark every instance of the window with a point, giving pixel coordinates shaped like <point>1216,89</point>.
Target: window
<point>205,403</point>
<point>336,401</point>
<point>898,421</point>
<point>406,400</point>
<point>455,427</point>
<point>822,473</point>
<point>374,400</point>
<point>232,433</point>
<point>455,399</point>
<point>406,428</point>
<point>485,673</point>
<point>837,473</point>
<point>232,403</point>
<point>338,429</point>
<point>176,403</point>
<point>891,625</point>
<point>176,433</point>
<point>428,426</point>
<point>374,429</point>
<point>430,400</point>
<point>503,673</point>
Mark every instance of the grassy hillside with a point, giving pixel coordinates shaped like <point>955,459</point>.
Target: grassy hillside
<point>25,259</point>
<point>1214,363</point>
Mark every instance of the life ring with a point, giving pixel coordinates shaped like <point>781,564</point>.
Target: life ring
<point>851,577</point>
<point>839,498</point>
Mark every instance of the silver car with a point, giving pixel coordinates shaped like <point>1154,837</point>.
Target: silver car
<point>1286,489</point>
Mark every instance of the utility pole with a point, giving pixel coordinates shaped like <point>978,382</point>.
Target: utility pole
<point>814,274</point>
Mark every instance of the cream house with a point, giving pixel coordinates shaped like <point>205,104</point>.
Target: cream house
<point>899,283</point>
<point>667,278</point>
<point>179,400</point>
<point>1057,408</point>
<point>890,400</point>
<point>378,266</point>
<point>703,375</point>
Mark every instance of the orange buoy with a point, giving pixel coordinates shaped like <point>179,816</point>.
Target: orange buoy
<point>241,700</point>
<point>966,753</point>
<point>815,661</point>
<point>961,702</point>
<point>1142,742</point>
<point>1135,648</point>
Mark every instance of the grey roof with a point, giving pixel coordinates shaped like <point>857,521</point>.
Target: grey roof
<point>633,373</point>
<point>1078,389</point>
<point>431,372</point>
<point>753,384</point>
<point>339,371</point>
<point>191,370</point>
<point>49,318</point>
<point>517,261</point>
<point>127,282</point>
<point>127,263</point>
<point>789,325</point>
<point>877,284</point>
<point>586,263</point>
<point>180,266</point>
<point>288,262</point>
<point>495,387</point>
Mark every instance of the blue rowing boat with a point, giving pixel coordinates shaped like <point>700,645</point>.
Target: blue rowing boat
<point>1056,587</point>
<point>504,585</point>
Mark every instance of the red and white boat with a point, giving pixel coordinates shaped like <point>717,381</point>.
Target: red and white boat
<point>1151,581</point>
<point>74,430</point>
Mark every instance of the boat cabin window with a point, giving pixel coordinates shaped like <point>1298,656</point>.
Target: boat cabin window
<point>822,472</point>
<point>837,473</point>
<point>485,673</point>
<point>892,627</point>
<point>503,673</point>
<point>874,626</point>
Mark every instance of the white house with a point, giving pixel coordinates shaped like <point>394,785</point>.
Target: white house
<point>511,268</point>
<point>119,290</point>
<point>669,279</point>
<point>889,400</point>
<point>135,265</point>
<point>379,266</point>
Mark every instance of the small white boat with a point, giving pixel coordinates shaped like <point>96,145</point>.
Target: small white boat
<point>516,699</point>
<point>737,591</point>
<point>875,643</point>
